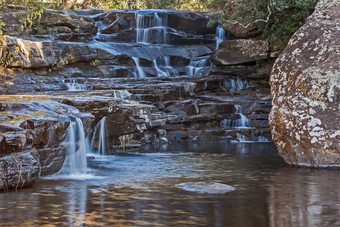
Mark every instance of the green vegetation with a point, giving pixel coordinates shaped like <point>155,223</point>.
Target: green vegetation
<point>278,19</point>
<point>94,62</point>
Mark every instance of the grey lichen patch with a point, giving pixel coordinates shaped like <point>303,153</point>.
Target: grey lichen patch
<point>252,48</point>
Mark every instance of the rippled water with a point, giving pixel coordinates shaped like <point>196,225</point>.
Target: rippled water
<point>138,189</point>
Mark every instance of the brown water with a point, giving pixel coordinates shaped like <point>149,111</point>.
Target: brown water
<point>138,189</point>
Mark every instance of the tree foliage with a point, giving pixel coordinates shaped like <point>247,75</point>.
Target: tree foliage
<point>279,19</point>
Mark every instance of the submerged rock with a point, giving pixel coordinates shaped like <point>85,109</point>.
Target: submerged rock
<point>206,187</point>
<point>305,86</point>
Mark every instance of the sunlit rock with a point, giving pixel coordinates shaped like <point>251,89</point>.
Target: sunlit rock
<point>305,90</point>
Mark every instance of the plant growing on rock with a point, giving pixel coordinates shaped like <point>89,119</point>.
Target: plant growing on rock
<point>277,19</point>
<point>62,61</point>
<point>94,62</point>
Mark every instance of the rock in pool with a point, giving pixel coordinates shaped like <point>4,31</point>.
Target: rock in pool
<point>206,187</point>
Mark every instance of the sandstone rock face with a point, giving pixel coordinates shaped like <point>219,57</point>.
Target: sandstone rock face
<point>19,170</point>
<point>51,160</point>
<point>233,52</point>
<point>49,23</point>
<point>305,86</point>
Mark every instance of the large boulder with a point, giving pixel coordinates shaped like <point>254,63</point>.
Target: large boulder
<point>305,86</point>
<point>234,52</point>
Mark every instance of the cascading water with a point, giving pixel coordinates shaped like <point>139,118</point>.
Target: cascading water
<point>235,84</point>
<point>151,27</point>
<point>99,136</point>
<point>73,85</point>
<point>75,163</point>
<point>198,66</point>
<point>220,35</point>
<point>241,122</point>
<point>160,73</point>
<point>163,67</point>
<point>139,71</point>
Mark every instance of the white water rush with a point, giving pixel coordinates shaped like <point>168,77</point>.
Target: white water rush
<point>219,36</point>
<point>198,66</point>
<point>241,122</point>
<point>98,139</point>
<point>73,85</point>
<point>139,71</point>
<point>75,164</point>
<point>151,27</point>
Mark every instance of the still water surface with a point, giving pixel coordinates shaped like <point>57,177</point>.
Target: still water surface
<point>138,189</point>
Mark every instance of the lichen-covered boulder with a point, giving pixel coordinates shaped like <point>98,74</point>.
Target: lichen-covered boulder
<point>305,85</point>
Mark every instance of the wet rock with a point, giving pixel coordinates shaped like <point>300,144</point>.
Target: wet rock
<point>116,26</point>
<point>305,89</point>
<point>189,22</point>
<point>51,160</point>
<point>19,170</point>
<point>206,187</point>
<point>15,142</point>
<point>233,52</point>
<point>183,108</point>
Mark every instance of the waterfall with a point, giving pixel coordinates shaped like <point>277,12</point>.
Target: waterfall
<point>139,71</point>
<point>73,85</point>
<point>235,84</point>
<point>241,122</point>
<point>220,35</point>
<point>198,66</point>
<point>121,95</point>
<point>160,73</point>
<point>151,28</point>
<point>101,142</point>
<point>75,163</point>
<point>163,67</point>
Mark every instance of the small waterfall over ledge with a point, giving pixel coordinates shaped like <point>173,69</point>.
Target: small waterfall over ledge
<point>98,139</point>
<point>151,27</point>
<point>220,35</point>
<point>73,84</point>
<point>241,122</point>
<point>75,164</point>
<point>199,66</point>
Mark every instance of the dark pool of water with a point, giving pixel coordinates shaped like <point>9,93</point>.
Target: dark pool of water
<point>138,189</point>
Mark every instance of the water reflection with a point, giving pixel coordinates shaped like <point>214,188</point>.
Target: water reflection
<point>138,189</point>
<point>304,197</point>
